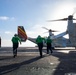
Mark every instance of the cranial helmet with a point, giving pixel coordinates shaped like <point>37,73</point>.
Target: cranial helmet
<point>15,35</point>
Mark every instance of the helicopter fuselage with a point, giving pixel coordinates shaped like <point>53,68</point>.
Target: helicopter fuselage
<point>71,28</point>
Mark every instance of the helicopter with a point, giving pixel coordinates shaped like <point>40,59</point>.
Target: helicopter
<point>71,31</point>
<point>58,40</point>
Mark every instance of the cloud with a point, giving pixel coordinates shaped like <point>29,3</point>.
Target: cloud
<point>6,18</point>
<point>12,18</point>
<point>8,32</point>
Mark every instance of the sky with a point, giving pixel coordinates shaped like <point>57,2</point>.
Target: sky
<point>33,15</point>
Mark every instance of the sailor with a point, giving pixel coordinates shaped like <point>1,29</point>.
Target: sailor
<point>49,46</point>
<point>39,42</point>
<point>15,40</point>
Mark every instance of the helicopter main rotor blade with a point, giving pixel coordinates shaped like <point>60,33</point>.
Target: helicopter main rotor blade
<point>74,19</point>
<point>64,19</point>
<point>45,32</point>
<point>74,11</point>
<point>52,30</point>
<point>45,28</point>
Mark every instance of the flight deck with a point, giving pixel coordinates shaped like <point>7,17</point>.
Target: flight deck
<point>28,62</point>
